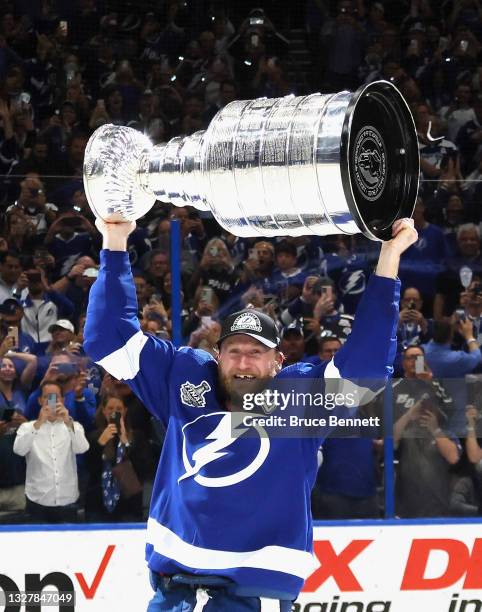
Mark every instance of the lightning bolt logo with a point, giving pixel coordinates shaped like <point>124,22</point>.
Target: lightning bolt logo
<point>221,438</point>
<point>353,280</point>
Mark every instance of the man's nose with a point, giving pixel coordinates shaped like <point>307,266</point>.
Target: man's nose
<point>244,362</point>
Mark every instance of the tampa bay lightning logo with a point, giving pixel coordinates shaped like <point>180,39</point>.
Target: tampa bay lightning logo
<point>352,283</point>
<point>215,453</point>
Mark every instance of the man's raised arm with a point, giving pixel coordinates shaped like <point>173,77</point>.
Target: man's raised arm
<point>370,349</point>
<point>113,337</point>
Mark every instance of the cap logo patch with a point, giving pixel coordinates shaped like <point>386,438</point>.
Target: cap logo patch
<point>247,320</point>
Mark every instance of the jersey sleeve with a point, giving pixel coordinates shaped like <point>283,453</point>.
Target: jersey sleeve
<point>366,358</point>
<point>114,340</point>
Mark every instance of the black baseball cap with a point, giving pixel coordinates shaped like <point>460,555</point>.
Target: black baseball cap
<point>10,306</point>
<point>252,323</point>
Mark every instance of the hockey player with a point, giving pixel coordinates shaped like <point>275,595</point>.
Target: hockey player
<point>230,525</point>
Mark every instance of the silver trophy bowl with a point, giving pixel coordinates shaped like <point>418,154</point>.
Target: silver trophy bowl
<point>320,164</point>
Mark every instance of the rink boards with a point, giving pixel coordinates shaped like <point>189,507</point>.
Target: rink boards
<point>373,566</point>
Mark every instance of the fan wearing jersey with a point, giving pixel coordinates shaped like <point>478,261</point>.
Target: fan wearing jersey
<point>230,524</point>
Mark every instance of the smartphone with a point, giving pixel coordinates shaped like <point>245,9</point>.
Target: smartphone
<point>206,321</point>
<point>115,419</point>
<point>207,294</point>
<point>8,414</point>
<point>316,288</point>
<point>52,402</point>
<point>419,364</point>
<point>327,291</point>
<point>13,333</point>
<point>69,369</point>
<point>460,312</point>
<point>91,273</point>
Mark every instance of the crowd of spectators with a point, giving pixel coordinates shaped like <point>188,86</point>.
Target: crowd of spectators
<point>76,444</point>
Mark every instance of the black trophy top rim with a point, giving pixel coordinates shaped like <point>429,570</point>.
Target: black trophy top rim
<point>379,159</point>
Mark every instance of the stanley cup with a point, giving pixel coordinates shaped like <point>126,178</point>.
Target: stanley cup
<point>319,164</point>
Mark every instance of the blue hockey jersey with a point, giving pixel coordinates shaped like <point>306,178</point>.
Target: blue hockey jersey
<point>238,508</point>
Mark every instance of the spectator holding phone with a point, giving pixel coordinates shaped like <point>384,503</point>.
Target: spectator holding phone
<point>42,259</point>
<point>258,267</point>
<point>452,365</point>
<point>77,397</point>
<point>324,320</point>
<point>119,459</point>
<point>206,304</point>
<point>217,271</point>
<point>471,309</point>
<point>50,445</point>
<point>445,362</point>
<point>449,286</point>
<point>426,445</point>
<point>32,201</point>
<point>413,327</point>
<point>11,315</point>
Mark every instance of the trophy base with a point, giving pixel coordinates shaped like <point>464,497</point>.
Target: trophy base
<point>379,159</point>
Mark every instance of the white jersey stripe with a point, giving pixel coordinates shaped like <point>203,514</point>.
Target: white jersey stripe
<point>269,605</point>
<point>123,363</point>
<point>335,384</point>
<point>275,558</point>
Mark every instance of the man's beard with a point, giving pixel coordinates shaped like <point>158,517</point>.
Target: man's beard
<point>233,390</point>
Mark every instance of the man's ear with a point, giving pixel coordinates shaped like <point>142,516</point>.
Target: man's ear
<point>279,361</point>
